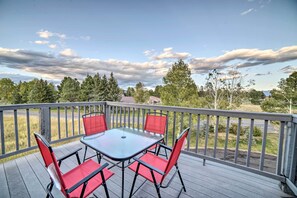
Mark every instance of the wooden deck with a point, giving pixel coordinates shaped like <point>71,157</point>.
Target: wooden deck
<point>27,177</point>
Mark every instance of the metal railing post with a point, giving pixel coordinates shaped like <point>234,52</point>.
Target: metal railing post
<point>44,122</point>
<point>290,158</point>
<point>293,164</point>
<point>107,114</point>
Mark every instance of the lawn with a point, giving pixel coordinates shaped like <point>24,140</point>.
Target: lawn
<point>10,145</point>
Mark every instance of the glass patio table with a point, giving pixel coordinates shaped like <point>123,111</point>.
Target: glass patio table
<point>121,144</point>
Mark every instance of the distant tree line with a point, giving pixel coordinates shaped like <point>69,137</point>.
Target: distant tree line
<point>92,88</point>
<point>219,92</point>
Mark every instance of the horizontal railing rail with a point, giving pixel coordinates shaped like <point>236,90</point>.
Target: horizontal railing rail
<point>263,143</point>
<point>210,127</point>
<point>56,121</point>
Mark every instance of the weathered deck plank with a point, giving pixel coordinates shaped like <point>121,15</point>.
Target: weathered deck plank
<point>27,177</point>
<point>15,182</point>
<point>3,183</point>
<point>34,187</point>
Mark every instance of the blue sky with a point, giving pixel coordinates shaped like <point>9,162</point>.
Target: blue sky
<point>139,40</point>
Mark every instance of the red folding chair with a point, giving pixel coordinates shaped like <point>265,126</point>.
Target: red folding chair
<point>78,182</point>
<point>156,123</point>
<point>94,123</point>
<point>155,169</point>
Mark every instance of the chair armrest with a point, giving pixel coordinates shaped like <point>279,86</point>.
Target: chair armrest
<point>148,166</point>
<point>165,146</point>
<point>68,155</point>
<point>86,179</point>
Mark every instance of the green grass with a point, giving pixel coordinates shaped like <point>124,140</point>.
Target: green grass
<point>9,130</point>
<point>10,144</point>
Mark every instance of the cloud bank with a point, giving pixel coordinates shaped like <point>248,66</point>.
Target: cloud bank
<point>244,58</point>
<point>54,66</point>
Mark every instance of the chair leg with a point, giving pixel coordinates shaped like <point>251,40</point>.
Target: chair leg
<point>98,157</point>
<point>166,154</point>
<point>49,189</point>
<point>105,189</point>
<point>133,184</point>
<point>85,153</point>
<point>156,185</point>
<point>158,190</point>
<point>181,179</point>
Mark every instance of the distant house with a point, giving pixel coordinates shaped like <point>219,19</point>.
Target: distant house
<point>127,99</point>
<point>154,100</point>
<point>267,93</point>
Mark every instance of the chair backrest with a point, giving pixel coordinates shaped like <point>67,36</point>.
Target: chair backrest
<point>179,143</point>
<point>94,123</point>
<point>50,160</point>
<point>156,123</point>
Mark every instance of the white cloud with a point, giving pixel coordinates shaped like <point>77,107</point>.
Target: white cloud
<point>247,11</point>
<point>289,69</point>
<point>68,52</point>
<point>55,67</point>
<point>68,63</point>
<point>47,34</point>
<point>149,53</point>
<point>169,54</point>
<point>245,58</point>
<point>53,46</point>
<point>41,42</point>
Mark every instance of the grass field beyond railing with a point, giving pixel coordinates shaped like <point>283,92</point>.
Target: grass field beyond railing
<point>10,144</point>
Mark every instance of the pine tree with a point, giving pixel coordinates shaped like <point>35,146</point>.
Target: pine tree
<point>6,88</point>
<point>179,88</point>
<point>42,92</point>
<point>103,89</point>
<point>70,89</point>
<point>87,86</point>
<point>96,89</point>
<point>141,94</point>
<point>16,96</point>
<point>113,89</point>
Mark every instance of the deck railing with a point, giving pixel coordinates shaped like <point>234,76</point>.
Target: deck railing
<point>263,143</point>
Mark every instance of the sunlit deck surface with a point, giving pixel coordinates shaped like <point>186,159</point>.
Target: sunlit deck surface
<point>27,177</point>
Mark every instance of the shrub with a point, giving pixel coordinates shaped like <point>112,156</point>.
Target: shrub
<point>257,132</point>
<point>233,129</point>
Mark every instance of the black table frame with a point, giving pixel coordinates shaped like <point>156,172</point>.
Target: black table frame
<point>122,160</point>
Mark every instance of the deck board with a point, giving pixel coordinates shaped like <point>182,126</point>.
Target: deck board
<point>15,181</point>
<point>3,183</point>
<point>34,187</point>
<point>27,177</point>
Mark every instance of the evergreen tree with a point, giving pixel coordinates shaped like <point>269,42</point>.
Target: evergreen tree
<point>130,91</point>
<point>141,95</point>
<point>87,86</point>
<point>96,89</point>
<point>179,88</point>
<point>103,89</point>
<point>42,92</point>
<point>70,89</point>
<point>25,88</point>
<point>114,92</point>
<point>16,96</point>
<point>256,97</point>
<point>157,91</point>
<point>286,94</point>
<point>6,89</point>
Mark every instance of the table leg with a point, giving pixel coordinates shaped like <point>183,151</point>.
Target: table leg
<point>123,173</point>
